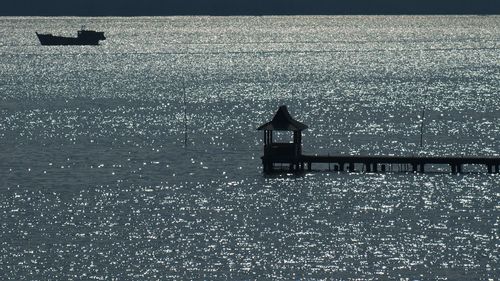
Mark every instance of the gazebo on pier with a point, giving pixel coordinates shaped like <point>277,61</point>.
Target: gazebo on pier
<point>291,153</point>
<point>279,152</point>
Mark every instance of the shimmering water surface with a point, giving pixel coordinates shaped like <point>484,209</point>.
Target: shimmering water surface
<point>95,182</point>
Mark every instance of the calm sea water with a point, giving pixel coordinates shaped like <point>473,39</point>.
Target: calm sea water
<point>96,184</point>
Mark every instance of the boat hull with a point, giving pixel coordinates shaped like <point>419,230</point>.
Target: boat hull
<point>51,40</point>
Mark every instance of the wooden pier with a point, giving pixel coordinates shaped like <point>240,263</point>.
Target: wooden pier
<point>290,154</point>
<point>415,163</point>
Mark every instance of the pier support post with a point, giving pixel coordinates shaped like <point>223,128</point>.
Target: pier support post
<point>453,168</point>
<point>309,166</point>
<point>490,169</point>
<point>414,167</point>
<point>422,168</point>
<point>459,168</point>
<point>341,167</point>
<point>375,167</point>
<point>268,166</point>
<point>368,167</point>
<point>497,168</point>
<point>351,167</point>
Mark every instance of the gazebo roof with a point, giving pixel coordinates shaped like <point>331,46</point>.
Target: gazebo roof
<point>282,121</point>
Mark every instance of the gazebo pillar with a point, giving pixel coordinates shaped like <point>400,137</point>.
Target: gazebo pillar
<point>268,137</point>
<point>297,141</point>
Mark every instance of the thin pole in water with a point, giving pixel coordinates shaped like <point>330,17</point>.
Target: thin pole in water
<point>329,169</point>
<point>185,115</point>
<point>422,128</point>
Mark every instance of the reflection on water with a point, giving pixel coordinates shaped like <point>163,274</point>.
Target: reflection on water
<point>96,183</point>
<point>369,226</point>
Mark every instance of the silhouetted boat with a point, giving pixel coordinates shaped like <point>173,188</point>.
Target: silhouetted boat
<point>84,37</point>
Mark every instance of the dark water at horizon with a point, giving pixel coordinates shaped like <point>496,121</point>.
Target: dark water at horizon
<point>95,182</point>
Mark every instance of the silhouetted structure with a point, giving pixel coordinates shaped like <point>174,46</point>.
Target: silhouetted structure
<point>282,152</point>
<point>291,153</point>
<point>84,37</point>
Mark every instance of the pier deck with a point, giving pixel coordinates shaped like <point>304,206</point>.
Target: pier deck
<point>417,163</point>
